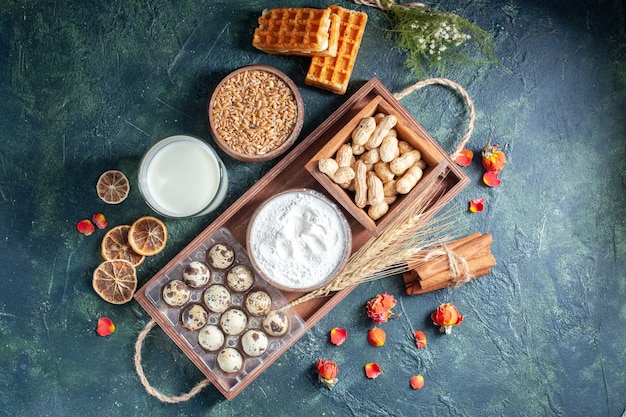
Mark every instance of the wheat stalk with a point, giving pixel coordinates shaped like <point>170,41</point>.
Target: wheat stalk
<point>402,244</point>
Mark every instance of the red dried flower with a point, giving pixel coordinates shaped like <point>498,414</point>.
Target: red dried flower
<point>99,220</point>
<point>105,326</point>
<point>327,371</point>
<point>372,370</point>
<point>379,308</point>
<point>376,337</point>
<point>446,316</point>
<point>493,158</point>
<point>85,227</point>
<point>338,336</point>
<point>420,339</point>
<point>477,205</point>
<point>417,382</point>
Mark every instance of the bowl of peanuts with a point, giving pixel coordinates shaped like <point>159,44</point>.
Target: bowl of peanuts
<point>255,113</point>
<point>378,162</point>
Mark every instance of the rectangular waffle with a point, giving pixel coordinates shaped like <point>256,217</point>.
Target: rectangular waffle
<point>333,73</point>
<point>297,31</point>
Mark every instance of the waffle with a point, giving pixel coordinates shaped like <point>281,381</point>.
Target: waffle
<point>333,73</point>
<point>297,31</point>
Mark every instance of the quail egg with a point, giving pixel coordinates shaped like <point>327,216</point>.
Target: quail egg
<point>240,278</point>
<point>229,360</point>
<point>254,342</point>
<point>217,298</point>
<point>194,317</point>
<point>258,303</point>
<point>233,322</point>
<point>211,338</point>
<point>176,293</point>
<point>220,256</point>
<point>196,274</point>
<point>276,323</point>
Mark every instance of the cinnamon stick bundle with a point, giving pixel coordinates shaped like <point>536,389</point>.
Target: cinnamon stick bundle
<point>452,264</point>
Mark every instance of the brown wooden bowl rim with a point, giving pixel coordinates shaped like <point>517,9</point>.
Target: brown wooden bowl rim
<point>338,268</point>
<point>288,142</point>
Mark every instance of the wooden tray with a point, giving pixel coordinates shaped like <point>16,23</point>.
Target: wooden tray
<point>409,131</point>
<point>290,173</point>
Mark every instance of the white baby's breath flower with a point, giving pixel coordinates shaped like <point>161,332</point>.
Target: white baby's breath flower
<point>432,35</point>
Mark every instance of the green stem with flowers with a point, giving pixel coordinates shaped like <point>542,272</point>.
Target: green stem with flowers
<point>434,38</point>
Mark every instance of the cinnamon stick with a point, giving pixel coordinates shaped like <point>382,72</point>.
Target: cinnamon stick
<point>474,265</point>
<point>452,246</point>
<point>471,249</point>
<point>474,254</point>
<point>414,288</point>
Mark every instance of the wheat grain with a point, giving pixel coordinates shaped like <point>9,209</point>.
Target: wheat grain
<point>254,112</point>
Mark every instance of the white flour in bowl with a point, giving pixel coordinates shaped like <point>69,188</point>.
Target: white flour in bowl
<point>299,239</point>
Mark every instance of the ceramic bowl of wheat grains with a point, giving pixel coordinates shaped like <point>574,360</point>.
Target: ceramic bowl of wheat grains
<point>255,113</point>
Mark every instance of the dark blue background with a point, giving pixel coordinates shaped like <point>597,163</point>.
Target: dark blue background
<point>87,86</point>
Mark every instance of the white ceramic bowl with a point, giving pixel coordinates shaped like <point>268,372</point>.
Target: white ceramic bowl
<point>299,240</point>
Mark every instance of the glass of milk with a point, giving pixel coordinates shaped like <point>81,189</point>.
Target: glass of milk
<point>182,176</point>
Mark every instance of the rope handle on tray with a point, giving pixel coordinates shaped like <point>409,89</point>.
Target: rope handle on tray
<point>142,376</point>
<point>468,102</point>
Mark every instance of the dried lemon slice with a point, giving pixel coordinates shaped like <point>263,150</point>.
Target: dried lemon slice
<point>147,236</point>
<point>113,187</point>
<point>115,246</point>
<point>115,281</point>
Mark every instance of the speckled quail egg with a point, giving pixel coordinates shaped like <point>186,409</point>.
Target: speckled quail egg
<point>240,278</point>
<point>258,303</point>
<point>196,274</point>
<point>275,323</point>
<point>233,321</point>
<point>229,360</point>
<point>211,338</point>
<point>220,256</point>
<point>254,342</point>
<point>217,298</point>
<point>176,293</point>
<point>194,317</point>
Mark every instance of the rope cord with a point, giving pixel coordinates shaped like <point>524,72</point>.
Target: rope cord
<point>459,269</point>
<point>142,376</point>
<point>468,102</point>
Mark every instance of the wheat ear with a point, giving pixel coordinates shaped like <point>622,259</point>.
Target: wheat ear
<point>391,253</point>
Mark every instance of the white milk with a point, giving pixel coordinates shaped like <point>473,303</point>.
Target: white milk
<point>181,176</point>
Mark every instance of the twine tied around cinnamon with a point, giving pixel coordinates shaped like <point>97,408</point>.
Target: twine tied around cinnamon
<point>459,269</point>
